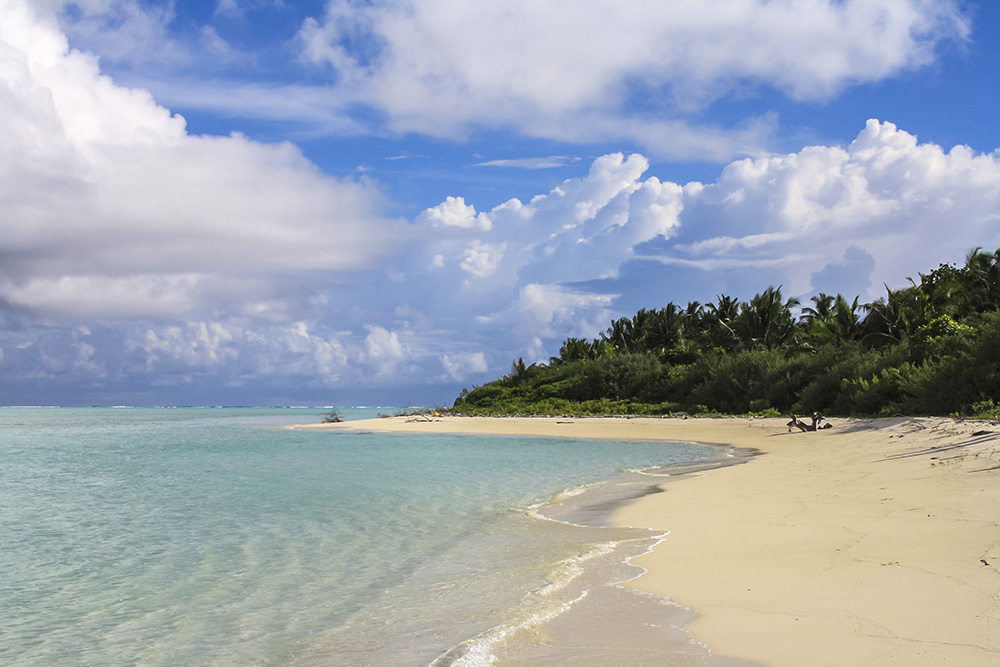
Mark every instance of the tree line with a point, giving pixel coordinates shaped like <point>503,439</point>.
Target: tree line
<point>932,347</point>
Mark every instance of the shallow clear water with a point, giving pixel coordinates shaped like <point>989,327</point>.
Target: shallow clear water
<point>211,536</point>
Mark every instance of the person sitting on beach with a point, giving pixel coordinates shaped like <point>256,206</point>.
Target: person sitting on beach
<point>817,418</point>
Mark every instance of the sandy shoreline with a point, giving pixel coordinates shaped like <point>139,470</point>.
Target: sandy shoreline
<point>872,543</point>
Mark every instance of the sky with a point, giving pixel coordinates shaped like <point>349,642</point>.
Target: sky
<point>342,202</point>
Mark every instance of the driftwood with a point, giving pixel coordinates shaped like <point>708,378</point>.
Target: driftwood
<point>802,426</point>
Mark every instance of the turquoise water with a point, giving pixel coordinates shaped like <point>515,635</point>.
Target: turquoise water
<point>214,536</point>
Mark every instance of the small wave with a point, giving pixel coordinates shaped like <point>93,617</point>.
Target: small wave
<point>535,510</point>
<point>480,651</point>
<point>642,570</point>
<point>649,472</point>
<point>535,514</point>
<point>565,494</point>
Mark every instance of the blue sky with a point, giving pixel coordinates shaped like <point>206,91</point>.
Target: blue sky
<point>268,202</point>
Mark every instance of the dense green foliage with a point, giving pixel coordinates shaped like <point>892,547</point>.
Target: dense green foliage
<point>930,348</point>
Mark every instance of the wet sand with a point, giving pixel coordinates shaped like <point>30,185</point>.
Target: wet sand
<point>871,543</point>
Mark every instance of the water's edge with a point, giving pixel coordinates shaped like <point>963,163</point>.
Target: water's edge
<point>601,621</point>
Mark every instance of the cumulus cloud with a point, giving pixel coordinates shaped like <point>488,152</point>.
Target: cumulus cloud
<point>459,366</point>
<point>886,205</point>
<point>580,230</point>
<point>131,247</point>
<point>545,311</point>
<point>824,218</point>
<point>454,212</point>
<point>383,351</point>
<point>113,209</point>
<point>229,352</point>
<point>482,259</point>
<point>203,345</point>
<point>437,67</point>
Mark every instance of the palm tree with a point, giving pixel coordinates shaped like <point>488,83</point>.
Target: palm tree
<point>983,270</point>
<point>620,335</point>
<point>694,319</point>
<point>766,320</point>
<point>519,372</point>
<point>717,324</point>
<point>600,348</point>
<point>950,291</point>
<point>641,329</point>
<point>846,318</point>
<point>833,319</point>
<point>896,316</point>
<point>573,349</point>
<point>823,307</point>
<point>665,330</point>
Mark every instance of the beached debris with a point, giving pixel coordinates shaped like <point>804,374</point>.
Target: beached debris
<point>814,426</point>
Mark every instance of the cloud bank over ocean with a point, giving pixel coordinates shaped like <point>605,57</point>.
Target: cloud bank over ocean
<point>144,259</point>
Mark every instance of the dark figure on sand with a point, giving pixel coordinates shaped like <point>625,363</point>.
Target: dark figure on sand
<point>801,425</point>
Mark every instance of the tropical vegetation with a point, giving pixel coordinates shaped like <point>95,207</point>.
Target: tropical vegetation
<point>932,347</point>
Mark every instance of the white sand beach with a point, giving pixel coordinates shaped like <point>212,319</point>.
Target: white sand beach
<point>871,543</point>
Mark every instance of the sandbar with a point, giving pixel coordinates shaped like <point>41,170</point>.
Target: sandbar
<point>874,542</point>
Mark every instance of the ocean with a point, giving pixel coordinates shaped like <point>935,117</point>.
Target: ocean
<point>216,536</point>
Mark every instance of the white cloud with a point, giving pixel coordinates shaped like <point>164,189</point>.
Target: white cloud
<point>383,350</point>
<point>586,227</point>
<point>112,210</point>
<point>904,205</point>
<point>193,256</point>
<point>454,212</point>
<point>514,276</point>
<point>483,259</point>
<point>446,70</point>
<point>550,162</point>
<point>214,44</point>
<point>825,218</point>
<point>138,296</point>
<point>437,67</point>
<point>127,30</point>
<point>326,357</point>
<point>459,366</point>
<point>548,310</point>
<point>200,345</point>
<point>228,8</point>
